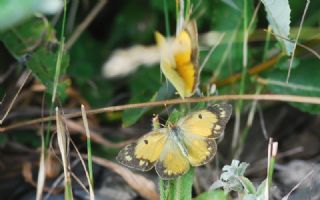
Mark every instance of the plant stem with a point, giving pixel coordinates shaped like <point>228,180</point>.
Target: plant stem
<point>179,188</point>
<point>243,76</point>
<point>266,45</point>
<point>60,53</point>
<point>166,17</point>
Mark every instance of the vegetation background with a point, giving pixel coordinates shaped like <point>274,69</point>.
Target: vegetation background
<point>102,53</point>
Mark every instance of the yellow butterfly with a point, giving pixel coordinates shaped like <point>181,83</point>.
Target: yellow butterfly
<point>179,59</point>
<point>172,149</point>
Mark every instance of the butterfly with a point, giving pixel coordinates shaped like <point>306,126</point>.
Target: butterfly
<point>172,149</point>
<point>179,59</point>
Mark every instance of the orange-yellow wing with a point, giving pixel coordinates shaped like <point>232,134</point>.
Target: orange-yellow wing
<point>209,122</point>
<point>200,149</point>
<point>200,129</point>
<point>172,162</point>
<point>143,154</point>
<point>179,60</point>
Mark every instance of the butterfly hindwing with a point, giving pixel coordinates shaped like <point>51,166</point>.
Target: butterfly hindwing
<point>200,149</point>
<point>172,162</point>
<point>223,112</point>
<point>143,154</point>
<point>200,129</point>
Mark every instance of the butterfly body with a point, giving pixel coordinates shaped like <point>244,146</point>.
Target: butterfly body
<point>191,141</point>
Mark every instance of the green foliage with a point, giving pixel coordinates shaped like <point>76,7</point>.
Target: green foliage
<point>33,42</point>
<point>179,188</point>
<point>144,88</point>
<point>233,179</point>
<point>278,15</point>
<point>304,81</point>
<point>212,195</point>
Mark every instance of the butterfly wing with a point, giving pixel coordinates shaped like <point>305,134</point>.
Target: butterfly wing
<point>179,60</point>
<point>199,130</point>
<point>168,65</point>
<point>172,162</point>
<point>143,154</point>
<point>200,149</point>
<point>209,122</point>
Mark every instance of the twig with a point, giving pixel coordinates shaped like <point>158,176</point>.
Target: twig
<point>252,71</point>
<point>298,35</point>
<point>264,97</point>
<point>15,97</point>
<point>314,52</point>
<point>85,23</point>
<point>296,186</point>
<point>210,52</point>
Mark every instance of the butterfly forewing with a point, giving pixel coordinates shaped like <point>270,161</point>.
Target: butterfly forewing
<point>208,122</point>
<point>143,154</point>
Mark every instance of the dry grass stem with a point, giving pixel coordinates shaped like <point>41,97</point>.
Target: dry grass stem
<point>16,95</point>
<point>263,97</point>
<point>83,25</point>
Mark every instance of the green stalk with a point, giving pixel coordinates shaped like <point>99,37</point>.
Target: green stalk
<point>89,152</point>
<point>166,17</point>
<point>60,54</point>
<point>271,167</point>
<point>68,190</point>
<point>245,132</point>
<point>239,105</point>
<point>266,45</point>
<point>187,10</point>
<point>90,159</point>
<point>179,188</point>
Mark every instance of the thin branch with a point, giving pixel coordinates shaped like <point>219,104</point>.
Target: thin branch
<point>210,52</point>
<point>298,35</point>
<point>15,97</point>
<point>85,23</point>
<point>314,52</point>
<point>265,97</point>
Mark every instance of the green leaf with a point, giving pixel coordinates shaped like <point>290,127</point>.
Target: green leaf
<point>304,81</point>
<point>15,11</point>
<point>27,37</point>
<point>144,87</point>
<point>212,195</point>
<point>248,185</point>
<point>278,15</point>
<point>35,39</point>
<point>42,64</point>
<point>230,178</point>
<point>261,188</point>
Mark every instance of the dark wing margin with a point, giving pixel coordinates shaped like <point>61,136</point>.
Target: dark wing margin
<point>127,158</point>
<point>223,112</point>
